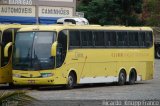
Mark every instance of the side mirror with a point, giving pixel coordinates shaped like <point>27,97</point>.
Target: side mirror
<point>54,49</point>
<point>6,48</point>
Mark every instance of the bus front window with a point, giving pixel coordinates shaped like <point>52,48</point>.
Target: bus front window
<point>32,51</point>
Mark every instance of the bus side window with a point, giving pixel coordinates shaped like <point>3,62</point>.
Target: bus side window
<point>142,39</point>
<point>133,39</point>
<point>99,38</point>
<point>107,39</point>
<point>149,39</point>
<point>74,38</point>
<point>62,48</point>
<point>6,38</point>
<point>86,39</point>
<point>122,39</point>
<point>111,39</point>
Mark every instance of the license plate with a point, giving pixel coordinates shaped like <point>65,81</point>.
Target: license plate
<point>31,81</point>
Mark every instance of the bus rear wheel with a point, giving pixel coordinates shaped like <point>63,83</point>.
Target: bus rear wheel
<point>71,81</point>
<point>132,77</point>
<point>122,78</point>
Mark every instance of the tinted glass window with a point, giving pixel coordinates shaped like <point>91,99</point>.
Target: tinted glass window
<point>142,39</point>
<point>133,39</point>
<point>122,39</point>
<point>15,31</point>
<point>74,38</point>
<point>86,38</point>
<point>149,39</point>
<point>99,38</point>
<point>32,51</point>
<point>110,39</point>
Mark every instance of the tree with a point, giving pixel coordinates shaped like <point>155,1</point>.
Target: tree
<point>131,10</point>
<point>151,13</point>
<point>111,12</point>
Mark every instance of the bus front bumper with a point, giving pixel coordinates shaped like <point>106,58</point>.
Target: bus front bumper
<point>37,81</point>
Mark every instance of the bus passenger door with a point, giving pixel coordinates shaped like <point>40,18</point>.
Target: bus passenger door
<point>6,64</point>
<point>0,47</point>
<point>62,48</point>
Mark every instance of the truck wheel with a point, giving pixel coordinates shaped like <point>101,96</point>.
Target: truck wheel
<point>158,53</point>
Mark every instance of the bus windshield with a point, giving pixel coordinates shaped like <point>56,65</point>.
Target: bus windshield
<point>32,51</point>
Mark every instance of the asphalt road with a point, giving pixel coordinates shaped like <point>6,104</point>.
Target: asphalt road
<point>85,95</point>
<point>141,90</point>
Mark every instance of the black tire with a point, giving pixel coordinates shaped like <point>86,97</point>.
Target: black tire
<point>122,78</point>
<point>71,81</point>
<point>132,77</point>
<point>158,53</point>
<point>11,85</point>
<point>35,87</point>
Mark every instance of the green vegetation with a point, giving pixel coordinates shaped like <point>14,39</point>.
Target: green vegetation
<point>152,12</point>
<point>15,98</point>
<point>121,12</point>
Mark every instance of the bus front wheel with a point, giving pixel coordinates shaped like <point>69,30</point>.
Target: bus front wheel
<point>122,78</point>
<point>71,81</point>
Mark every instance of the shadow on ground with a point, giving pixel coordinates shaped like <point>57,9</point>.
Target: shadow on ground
<point>48,88</point>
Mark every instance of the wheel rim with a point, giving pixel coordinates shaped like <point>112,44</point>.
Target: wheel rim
<point>70,81</point>
<point>122,78</point>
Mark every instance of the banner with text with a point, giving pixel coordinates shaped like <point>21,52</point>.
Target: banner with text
<point>55,11</point>
<point>12,10</point>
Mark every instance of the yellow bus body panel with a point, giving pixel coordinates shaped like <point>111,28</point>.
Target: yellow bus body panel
<point>90,64</point>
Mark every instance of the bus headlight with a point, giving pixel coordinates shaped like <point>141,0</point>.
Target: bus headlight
<point>17,75</point>
<point>44,75</point>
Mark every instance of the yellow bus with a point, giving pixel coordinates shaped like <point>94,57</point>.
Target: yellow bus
<point>7,34</point>
<point>72,54</point>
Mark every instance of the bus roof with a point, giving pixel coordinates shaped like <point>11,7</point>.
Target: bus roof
<point>7,26</point>
<point>86,27</point>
